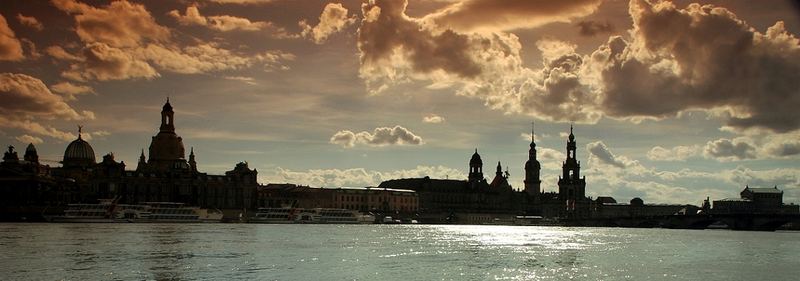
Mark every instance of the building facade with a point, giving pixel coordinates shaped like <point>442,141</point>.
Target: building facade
<point>363,199</point>
<point>165,176</point>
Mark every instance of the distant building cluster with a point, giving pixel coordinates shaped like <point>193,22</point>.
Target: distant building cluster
<point>165,175</point>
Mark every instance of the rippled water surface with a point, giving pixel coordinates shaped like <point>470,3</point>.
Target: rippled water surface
<point>389,252</point>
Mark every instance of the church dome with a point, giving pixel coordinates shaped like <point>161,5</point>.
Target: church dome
<point>79,153</point>
<point>476,159</point>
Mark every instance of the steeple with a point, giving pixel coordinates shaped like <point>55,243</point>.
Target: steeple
<point>571,186</point>
<point>499,172</point>
<point>532,169</point>
<point>30,154</point>
<point>192,163</point>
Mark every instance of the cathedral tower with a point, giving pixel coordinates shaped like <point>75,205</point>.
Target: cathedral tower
<point>571,187</point>
<point>532,170</point>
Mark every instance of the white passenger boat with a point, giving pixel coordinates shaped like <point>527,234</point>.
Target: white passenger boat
<point>169,212</point>
<point>102,212</point>
<point>274,215</point>
<point>107,211</point>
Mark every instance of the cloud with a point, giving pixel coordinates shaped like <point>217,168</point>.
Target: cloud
<point>27,101</point>
<point>491,15</point>
<point>29,139</point>
<point>357,177</point>
<point>27,97</point>
<point>381,136</point>
<point>433,119</point>
<point>10,46</point>
<point>69,90</point>
<point>783,146</point>
<point>31,22</point>
<point>61,54</point>
<point>332,20</point>
<point>395,48</point>
<point>206,58</point>
<point>556,91</point>
<point>244,79</point>
<point>600,151</point>
<point>672,60</point>
<point>138,46</point>
<point>224,23</point>
<point>591,28</point>
<point>726,150</point>
<point>119,24</point>
<point>103,62</point>
<point>700,57</point>
<point>677,153</point>
<point>242,2</point>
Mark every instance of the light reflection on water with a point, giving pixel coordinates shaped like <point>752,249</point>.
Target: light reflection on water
<point>388,252</point>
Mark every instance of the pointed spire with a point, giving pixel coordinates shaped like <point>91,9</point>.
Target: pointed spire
<point>80,130</point>
<point>191,151</point>
<point>532,131</point>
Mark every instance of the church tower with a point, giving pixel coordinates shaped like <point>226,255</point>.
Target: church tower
<point>475,169</point>
<point>532,170</point>
<point>571,187</point>
<point>166,148</point>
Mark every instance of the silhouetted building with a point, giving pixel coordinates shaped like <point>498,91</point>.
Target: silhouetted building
<point>607,207</point>
<point>363,199</point>
<point>464,201</point>
<point>167,176</point>
<point>755,201</point>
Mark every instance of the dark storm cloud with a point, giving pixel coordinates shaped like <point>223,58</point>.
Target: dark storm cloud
<point>701,57</point>
<point>726,149</point>
<point>592,28</point>
<point>599,150</point>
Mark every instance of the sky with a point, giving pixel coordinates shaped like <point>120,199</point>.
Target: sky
<point>671,102</point>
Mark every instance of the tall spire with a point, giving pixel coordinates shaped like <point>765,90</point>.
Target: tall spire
<point>80,130</point>
<point>192,163</point>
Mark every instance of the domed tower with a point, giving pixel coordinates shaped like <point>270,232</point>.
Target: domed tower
<point>476,168</point>
<point>30,154</point>
<point>79,153</point>
<point>532,170</point>
<point>166,148</point>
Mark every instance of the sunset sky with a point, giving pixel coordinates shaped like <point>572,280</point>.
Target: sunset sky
<point>671,101</point>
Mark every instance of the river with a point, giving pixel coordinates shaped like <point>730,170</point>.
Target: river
<point>41,251</point>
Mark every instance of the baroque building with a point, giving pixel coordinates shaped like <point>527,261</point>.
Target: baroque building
<point>166,176</point>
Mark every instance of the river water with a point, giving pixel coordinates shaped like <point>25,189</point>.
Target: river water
<point>389,252</point>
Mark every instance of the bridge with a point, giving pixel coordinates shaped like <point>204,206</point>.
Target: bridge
<point>763,222</point>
